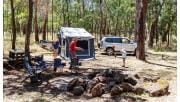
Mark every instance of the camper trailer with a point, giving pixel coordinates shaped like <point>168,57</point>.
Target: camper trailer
<point>85,41</point>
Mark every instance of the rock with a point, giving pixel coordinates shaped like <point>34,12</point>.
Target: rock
<point>109,86</point>
<point>72,84</point>
<point>119,78</point>
<point>94,81</point>
<point>109,73</point>
<point>153,78</point>
<point>91,84</point>
<point>78,90</point>
<point>98,90</point>
<point>91,75</point>
<point>159,88</point>
<point>106,73</point>
<point>130,79</point>
<point>101,79</point>
<point>139,90</point>
<point>76,82</point>
<point>109,79</point>
<point>137,76</point>
<point>116,90</point>
<point>127,87</point>
<point>81,82</point>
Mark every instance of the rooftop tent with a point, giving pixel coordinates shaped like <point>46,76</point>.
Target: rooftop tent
<point>85,41</point>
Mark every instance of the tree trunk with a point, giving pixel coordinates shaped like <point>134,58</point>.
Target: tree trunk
<point>67,11</point>
<point>83,12</point>
<point>92,27</point>
<point>154,26</point>
<point>116,27</point>
<point>13,26</point>
<point>101,15</point>
<point>140,28</point>
<point>47,29</point>
<point>52,22</point>
<point>152,33</point>
<point>36,22</point>
<point>45,23</point>
<point>29,28</point>
<point>64,14</point>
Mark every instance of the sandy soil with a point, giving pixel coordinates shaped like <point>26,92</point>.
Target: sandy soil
<point>17,88</point>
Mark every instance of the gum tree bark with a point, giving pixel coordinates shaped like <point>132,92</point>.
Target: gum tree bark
<point>13,22</point>
<point>141,10</point>
<point>29,28</point>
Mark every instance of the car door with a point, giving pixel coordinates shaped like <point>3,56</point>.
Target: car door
<point>117,44</point>
<point>127,45</point>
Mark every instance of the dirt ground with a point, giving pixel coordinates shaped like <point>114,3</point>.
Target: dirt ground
<point>17,88</point>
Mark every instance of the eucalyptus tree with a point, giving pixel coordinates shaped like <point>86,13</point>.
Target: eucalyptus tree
<point>45,25</point>
<point>13,22</point>
<point>29,28</point>
<point>36,30</point>
<point>141,10</point>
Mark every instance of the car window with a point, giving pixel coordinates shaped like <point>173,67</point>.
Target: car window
<point>117,40</point>
<point>113,40</point>
<point>126,41</point>
<point>109,40</point>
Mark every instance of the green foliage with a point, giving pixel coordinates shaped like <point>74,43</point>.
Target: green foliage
<point>118,15</point>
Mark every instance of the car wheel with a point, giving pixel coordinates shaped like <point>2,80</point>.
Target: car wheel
<point>110,51</point>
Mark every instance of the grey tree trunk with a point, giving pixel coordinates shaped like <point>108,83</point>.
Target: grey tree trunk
<point>140,28</point>
<point>13,26</point>
<point>36,22</point>
<point>29,28</point>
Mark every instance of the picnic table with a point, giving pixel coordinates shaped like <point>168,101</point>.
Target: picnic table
<point>16,57</point>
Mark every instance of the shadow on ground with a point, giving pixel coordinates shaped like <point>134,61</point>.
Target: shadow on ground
<point>16,82</point>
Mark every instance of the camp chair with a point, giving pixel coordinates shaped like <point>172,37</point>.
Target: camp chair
<point>29,69</point>
<point>58,63</point>
<point>74,63</point>
<point>39,62</point>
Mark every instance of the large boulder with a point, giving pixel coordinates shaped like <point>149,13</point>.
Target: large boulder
<point>81,82</point>
<point>116,90</point>
<point>78,90</point>
<point>72,84</point>
<point>91,84</point>
<point>101,79</point>
<point>76,82</point>
<point>98,90</point>
<point>159,88</point>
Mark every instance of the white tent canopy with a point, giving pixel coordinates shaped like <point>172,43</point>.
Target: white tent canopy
<point>75,32</point>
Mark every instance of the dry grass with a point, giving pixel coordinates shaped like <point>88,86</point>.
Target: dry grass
<point>20,43</point>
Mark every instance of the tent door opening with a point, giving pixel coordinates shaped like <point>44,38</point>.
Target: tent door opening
<point>85,45</point>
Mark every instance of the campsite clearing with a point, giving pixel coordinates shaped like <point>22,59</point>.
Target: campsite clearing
<point>17,89</point>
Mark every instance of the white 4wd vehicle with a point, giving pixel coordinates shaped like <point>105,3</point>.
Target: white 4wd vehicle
<point>116,44</point>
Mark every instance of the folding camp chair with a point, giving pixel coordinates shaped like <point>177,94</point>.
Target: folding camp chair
<point>40,63</point>
<point>58,64</point>
<point>29,69</point>
<point>74,63</point>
